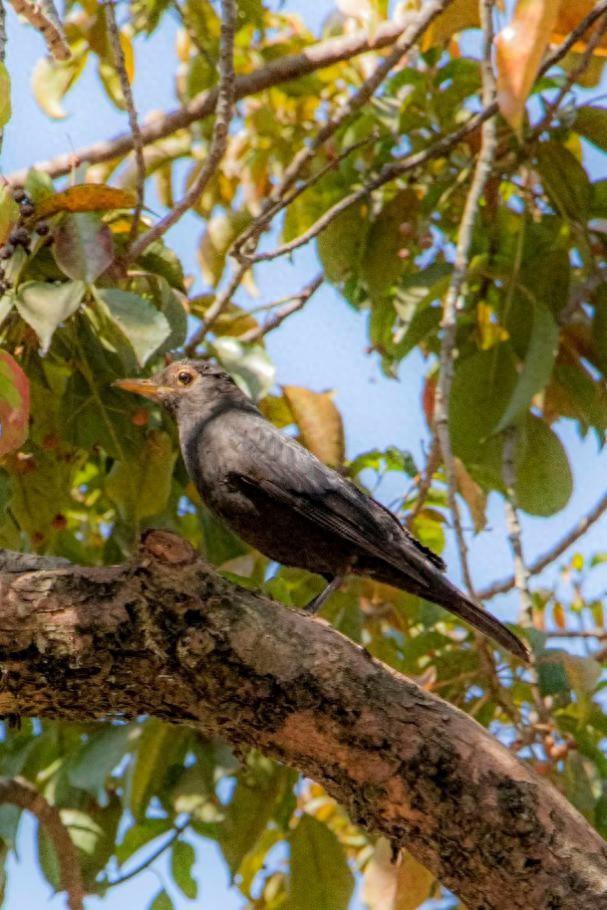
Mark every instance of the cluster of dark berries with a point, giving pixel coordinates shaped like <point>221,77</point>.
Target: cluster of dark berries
<point>20,235</point>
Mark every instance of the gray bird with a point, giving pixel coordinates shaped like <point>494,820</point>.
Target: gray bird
<point>283,501</point>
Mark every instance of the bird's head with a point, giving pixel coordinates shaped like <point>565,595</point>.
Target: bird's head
<point>186,385</point>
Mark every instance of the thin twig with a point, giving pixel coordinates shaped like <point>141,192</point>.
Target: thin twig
<point>425,481</point>
<point>43,16</point>
<point>219,142</point>
<point>292,305</point>
<point>127,94</point>
<point>177,831</point>
<point>454,297</point>
<point>19,792</point>
<point>563,544</point>
<point>216,309</point>
<point>521,572</point>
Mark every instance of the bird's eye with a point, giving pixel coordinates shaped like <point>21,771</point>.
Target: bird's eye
<point>184,378</point>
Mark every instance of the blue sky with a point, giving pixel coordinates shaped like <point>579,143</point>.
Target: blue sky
<point>322,347</point>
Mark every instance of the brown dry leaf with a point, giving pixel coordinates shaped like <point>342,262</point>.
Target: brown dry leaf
<point>520,47</point>
<point>86,197</point>
<point>319,421</point>
<point>403,885</point>
<point>475,498</point>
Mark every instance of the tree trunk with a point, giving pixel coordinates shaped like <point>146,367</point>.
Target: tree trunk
<point>166,636</point>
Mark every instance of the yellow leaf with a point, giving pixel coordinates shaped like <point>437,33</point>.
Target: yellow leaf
<point>459,15</point>
<point>86,197</point>
<point>403,885</point>
<point>558,614</point>
<point>520,47</point>
<point>320,423</point>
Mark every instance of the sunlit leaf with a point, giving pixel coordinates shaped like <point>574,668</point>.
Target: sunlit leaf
<point>401,884</point>
<point>162,901</point>
<point>145,327</point>
<point>5,95</point>
<point>520,47</point>
<point>9,213</point>
<point>52,79</point>
<point>45,306</point>
<point>475,497</point>
<point>320,423</point>
<point>459,15</point>
<point>83,246</point>
<point>249,364</point>
<point>86,197</point>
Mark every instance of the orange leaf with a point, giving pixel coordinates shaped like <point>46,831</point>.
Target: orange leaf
<point>320,423</point>
<point>569,16</point>
<point>87,197</point>
<point>14,404</point>
<point>520,47</point>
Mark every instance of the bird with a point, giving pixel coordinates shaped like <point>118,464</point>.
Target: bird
<point>282,500</point>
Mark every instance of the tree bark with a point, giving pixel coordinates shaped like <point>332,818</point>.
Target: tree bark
<point>165,635</point>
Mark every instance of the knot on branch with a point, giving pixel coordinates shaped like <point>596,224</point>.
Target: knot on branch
<point>167,547</point>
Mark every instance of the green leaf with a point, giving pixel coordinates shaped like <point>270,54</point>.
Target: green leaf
<point>5,95</point>
<point>341,244</point>
<point>9,213</point>
<point>381,263</point>
<point>250,365</point>
<point>482,387</point>
<point>45,306</point>
<point>565,180</point>
<point>320,876</point>
<point>90,767</point>
<point>162,901</point>
<point>162,261</point>
<point>591,123</point>
<point>183,858</point>
<point>537,368</point>
<point>139,321</point>
<point>160,746</point>
<point>221,232</point>
<point>552,679</point>
<point>38,185</point>
<point>83,246</point>
<point>544,482</point>
<point>260,785</point>
<point>140,834</point>
<point>141,486</point>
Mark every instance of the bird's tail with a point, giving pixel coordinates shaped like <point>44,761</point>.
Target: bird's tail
<point>477,617</point>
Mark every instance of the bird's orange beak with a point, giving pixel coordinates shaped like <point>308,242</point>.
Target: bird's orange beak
<point>146,387</point>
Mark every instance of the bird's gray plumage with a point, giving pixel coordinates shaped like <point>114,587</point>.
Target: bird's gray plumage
<point>282,500</point>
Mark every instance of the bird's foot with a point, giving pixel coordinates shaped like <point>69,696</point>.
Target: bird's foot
<point>317,602</point>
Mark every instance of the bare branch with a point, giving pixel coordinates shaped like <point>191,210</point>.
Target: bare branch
<point>425,481</point>
<point>454,297</point>
<point>219,142</point>
<point>19,792</point>
<point>543,561</point>
<point>43,16</point>
<point>521,572</point>
<point>291,305</point>
<point>127,94</point>
<point>292,66</point>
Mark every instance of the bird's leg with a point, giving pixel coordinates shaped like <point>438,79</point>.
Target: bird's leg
<point>317,602</point>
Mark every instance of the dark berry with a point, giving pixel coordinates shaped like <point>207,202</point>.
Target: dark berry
<point>6,251</point>
<point>42,228</point>
<point>26,209</point>
<point>19,195</point>
<point>19,236</point>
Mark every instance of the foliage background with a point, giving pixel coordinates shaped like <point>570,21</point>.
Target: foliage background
<point>304,352</point>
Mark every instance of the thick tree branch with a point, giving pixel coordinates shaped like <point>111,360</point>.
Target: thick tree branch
<point>166,636</point>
